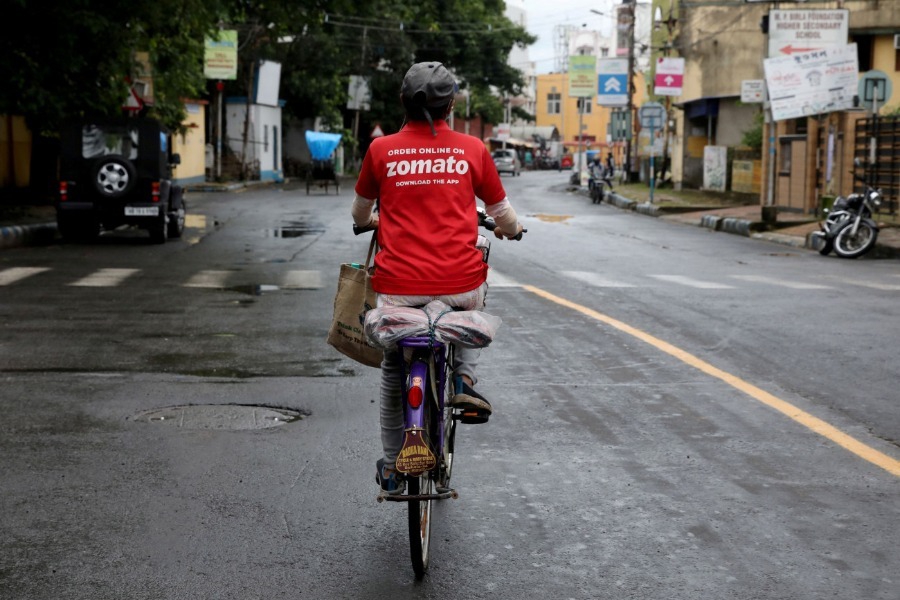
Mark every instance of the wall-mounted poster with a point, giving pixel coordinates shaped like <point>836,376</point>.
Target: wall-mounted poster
<point>715,165</point>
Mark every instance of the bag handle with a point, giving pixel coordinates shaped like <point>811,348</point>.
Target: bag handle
<point>373,248</point>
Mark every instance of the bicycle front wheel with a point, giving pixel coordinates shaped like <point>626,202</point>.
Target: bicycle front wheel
<point>420,522</point>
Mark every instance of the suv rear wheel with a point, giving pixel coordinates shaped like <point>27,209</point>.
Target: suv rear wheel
<point>176,223</point>
<point>113,176</point>
<point>159,229</point>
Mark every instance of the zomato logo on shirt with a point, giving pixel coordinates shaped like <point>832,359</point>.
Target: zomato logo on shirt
<point>427,166</point>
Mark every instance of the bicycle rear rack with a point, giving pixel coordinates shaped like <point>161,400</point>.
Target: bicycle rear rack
<point>450,493</point>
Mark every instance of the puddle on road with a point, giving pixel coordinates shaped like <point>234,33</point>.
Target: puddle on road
<point>295,229</point>
<point>551,218</point>
<point>196,227</point>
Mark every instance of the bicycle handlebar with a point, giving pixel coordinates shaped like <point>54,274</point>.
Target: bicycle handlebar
<point>484,220</point>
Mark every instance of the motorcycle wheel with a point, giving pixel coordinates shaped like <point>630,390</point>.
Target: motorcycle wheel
<point>848,245</point>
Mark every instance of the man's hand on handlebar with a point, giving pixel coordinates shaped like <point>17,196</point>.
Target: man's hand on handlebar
<point>518,235</point>
<point>372,226</point>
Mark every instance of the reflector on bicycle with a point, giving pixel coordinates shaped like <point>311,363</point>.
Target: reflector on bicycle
<point>415,456</point>
<point>415,394</point>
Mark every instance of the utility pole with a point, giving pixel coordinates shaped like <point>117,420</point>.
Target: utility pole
<point>630,108</point>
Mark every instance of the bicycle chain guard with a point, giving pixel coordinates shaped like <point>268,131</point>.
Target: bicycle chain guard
<point>416,455</point>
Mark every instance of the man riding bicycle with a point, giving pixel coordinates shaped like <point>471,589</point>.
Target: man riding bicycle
<point>425,178</point>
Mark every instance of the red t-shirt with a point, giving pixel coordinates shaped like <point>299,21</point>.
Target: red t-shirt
<point>426,187</point>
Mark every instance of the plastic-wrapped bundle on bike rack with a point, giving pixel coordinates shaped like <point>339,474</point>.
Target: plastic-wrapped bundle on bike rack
<point>387,325</point>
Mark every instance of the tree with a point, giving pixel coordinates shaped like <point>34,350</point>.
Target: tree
<point>68,59</point>
<point>74,57</point>
<point>380,40</point>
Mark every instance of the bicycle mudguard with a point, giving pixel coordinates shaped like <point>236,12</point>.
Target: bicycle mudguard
<point>416,456</point>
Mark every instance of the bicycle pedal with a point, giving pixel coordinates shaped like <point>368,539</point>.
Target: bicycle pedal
<point>473,417</point>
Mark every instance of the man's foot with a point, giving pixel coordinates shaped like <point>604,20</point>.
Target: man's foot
<point>475,407</point>
<point>388,478</point>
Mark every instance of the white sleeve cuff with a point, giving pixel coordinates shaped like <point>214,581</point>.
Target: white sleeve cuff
<point>362,210</point>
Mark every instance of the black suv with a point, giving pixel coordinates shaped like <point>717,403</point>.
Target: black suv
<point>117,172</point>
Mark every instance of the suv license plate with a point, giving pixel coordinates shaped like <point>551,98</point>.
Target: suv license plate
<point>141,211</point>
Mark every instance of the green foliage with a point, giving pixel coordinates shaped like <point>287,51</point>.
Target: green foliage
<point>753,137</point>
<point>69,58</point>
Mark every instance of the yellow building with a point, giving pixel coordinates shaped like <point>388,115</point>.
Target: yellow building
<point>191,145</point>
<point>554,107</point>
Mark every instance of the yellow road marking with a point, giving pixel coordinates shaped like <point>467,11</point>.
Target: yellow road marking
<point>815,424</point>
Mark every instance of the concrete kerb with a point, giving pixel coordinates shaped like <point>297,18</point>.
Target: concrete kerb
<point>12,236</point>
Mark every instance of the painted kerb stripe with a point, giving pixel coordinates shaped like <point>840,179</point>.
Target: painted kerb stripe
<point>815,424</point>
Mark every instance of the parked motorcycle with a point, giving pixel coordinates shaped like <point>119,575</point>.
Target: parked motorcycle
<point>849,229</point>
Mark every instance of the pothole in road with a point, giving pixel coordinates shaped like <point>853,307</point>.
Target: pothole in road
<point>230,417</point>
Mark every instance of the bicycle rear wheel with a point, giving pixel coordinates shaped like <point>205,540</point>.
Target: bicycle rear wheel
<point>420,522</point>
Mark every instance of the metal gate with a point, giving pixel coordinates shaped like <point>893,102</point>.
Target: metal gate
<point>877,146</point>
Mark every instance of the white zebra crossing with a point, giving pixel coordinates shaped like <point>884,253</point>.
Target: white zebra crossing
<point>302,280</point>
<point>208,279</point>
<point>795,285</point>
<point>694,283</point>
<point>313,280</point>
<point>596,280</point>
<point>14,274</point>
<point>498,280</point>
<point>105,278</point>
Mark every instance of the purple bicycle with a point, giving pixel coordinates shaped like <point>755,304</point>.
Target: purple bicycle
<point>426,457</point>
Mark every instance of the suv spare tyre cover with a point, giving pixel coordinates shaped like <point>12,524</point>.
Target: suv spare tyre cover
<point>113,175</point>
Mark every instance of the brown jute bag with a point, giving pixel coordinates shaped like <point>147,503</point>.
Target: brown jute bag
<point>354,297</point>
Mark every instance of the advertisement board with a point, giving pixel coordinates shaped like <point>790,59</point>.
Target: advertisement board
<point>220,58</point>
<point>582,76</point>
<point>812,83</point>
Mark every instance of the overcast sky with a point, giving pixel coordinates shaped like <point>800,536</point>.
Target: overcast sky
<point>544,15</point>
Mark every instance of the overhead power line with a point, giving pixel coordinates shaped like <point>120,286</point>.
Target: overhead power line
<point>402,26</point>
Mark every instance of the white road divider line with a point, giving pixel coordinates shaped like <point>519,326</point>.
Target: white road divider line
<point>694,283</point>
<point>105,278</point>
<point>208,279</point>
<point>14,274</point>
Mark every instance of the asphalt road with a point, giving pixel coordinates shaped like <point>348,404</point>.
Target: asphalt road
<point>679,414</point>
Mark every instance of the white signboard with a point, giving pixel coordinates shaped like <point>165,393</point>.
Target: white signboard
<point>612,82</point>
<point>800,31</point>
<point>814,83</point>
<point>358,93</point>
<point>669,77</point>
<point>502,131</point>
<point>268,82</point>
<point>753,91</point>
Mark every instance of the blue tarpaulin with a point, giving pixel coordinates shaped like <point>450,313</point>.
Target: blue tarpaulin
<point>321,145</point>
